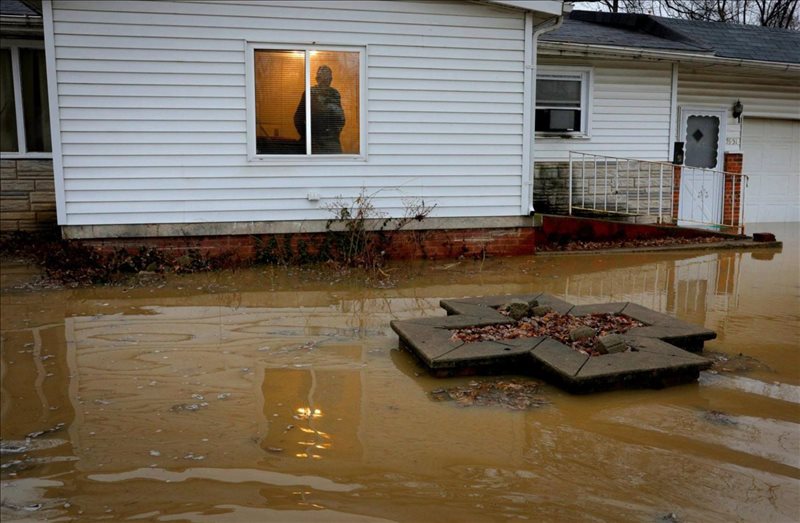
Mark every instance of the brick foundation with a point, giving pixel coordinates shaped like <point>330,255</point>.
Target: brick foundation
<point>417,244</point>
<point>27,195</point>
<point>564,229</point>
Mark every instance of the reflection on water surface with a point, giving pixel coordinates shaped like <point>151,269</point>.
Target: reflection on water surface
<point>279,395</point>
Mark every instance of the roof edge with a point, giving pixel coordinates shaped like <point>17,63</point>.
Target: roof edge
<point>676,55</point>
<point>550,7</point>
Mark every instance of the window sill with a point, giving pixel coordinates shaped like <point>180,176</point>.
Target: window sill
<point>308,160</point>
<point>562,136</point>
<point>26,156</point>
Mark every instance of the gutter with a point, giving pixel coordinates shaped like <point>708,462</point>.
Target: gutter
<point>550,47</point>
<point>545,27</point>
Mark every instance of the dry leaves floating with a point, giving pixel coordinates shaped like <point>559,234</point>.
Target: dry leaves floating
<point>512,394</point>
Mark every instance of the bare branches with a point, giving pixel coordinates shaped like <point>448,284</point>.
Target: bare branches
<point>783,14</point>
<point>778,13</point>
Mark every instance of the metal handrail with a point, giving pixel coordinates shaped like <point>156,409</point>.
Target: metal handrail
<point>664,202</point>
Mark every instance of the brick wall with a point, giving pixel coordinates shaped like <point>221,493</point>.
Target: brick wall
<point>732,193</point>
<point>676,192</point>
<point>412,244</point>
<point>27,195</point>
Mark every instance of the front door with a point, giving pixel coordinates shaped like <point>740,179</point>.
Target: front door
<point>703,133</point>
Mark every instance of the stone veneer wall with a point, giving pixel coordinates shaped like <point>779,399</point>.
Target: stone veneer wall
<point>629,194</point>
<point>27,195</point>
<point>550,184</point>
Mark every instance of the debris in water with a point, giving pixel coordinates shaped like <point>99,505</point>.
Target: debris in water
<point>274,449</point>
<point>15,466</point>
<point>51,430</point>
<point>514,394</point>
<point>12,447</point>
<point>189,407</point>
<point>198,397</point>
<point>223,395</point>
<point>155,453</point>
<point>719,418</point>
<point>737,363</point>
<point>194,456</point>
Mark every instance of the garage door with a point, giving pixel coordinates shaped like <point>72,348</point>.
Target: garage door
<point>771,150</point>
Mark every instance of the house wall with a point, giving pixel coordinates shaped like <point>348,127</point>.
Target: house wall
<point>629,111</point>
<point>152,111</point>
<point>764,94</point>
<point>629,117</point>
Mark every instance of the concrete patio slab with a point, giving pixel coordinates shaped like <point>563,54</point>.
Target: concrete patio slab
<point>560,359</point>
<point>656,355</point>
<point>482,354</point>
<point>598,308</point>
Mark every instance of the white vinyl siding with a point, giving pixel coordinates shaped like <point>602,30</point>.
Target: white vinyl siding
<point>629,111</point>
<point>153,109</point>
<point>767,94</point>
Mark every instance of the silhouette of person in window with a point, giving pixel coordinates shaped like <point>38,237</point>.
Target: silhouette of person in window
<point>327,115</point>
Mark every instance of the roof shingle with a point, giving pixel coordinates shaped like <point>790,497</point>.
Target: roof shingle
<point>747,42</point>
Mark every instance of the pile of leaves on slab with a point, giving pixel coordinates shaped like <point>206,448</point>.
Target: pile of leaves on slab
<point>577,245</point>
<point>513,394</point>
<point>554,325</point>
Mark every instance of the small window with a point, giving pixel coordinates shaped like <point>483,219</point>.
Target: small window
<point>561,103</point>
<point>307,102</point>
<point>25,127</point>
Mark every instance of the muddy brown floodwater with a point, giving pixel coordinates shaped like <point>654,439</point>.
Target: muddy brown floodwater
<point>277,395</point>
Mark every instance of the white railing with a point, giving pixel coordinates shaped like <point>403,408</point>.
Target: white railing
<point>709,197</point>
<point>609,184</point>
<point>627,186</point>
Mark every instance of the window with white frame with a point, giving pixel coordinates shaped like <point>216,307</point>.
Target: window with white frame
<point>562,102</point>
<point>308,102</point>
<point>24,110</point>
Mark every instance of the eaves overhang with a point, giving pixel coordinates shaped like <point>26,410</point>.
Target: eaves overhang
<point>572,49</point>
<point>547,7</point>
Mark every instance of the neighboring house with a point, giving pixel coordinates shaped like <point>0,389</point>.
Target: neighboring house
<point>173,118</point>
<point>27,199</point>
<point>629,86</point>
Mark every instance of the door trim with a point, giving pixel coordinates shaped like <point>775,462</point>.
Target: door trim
<point>717,184</point>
